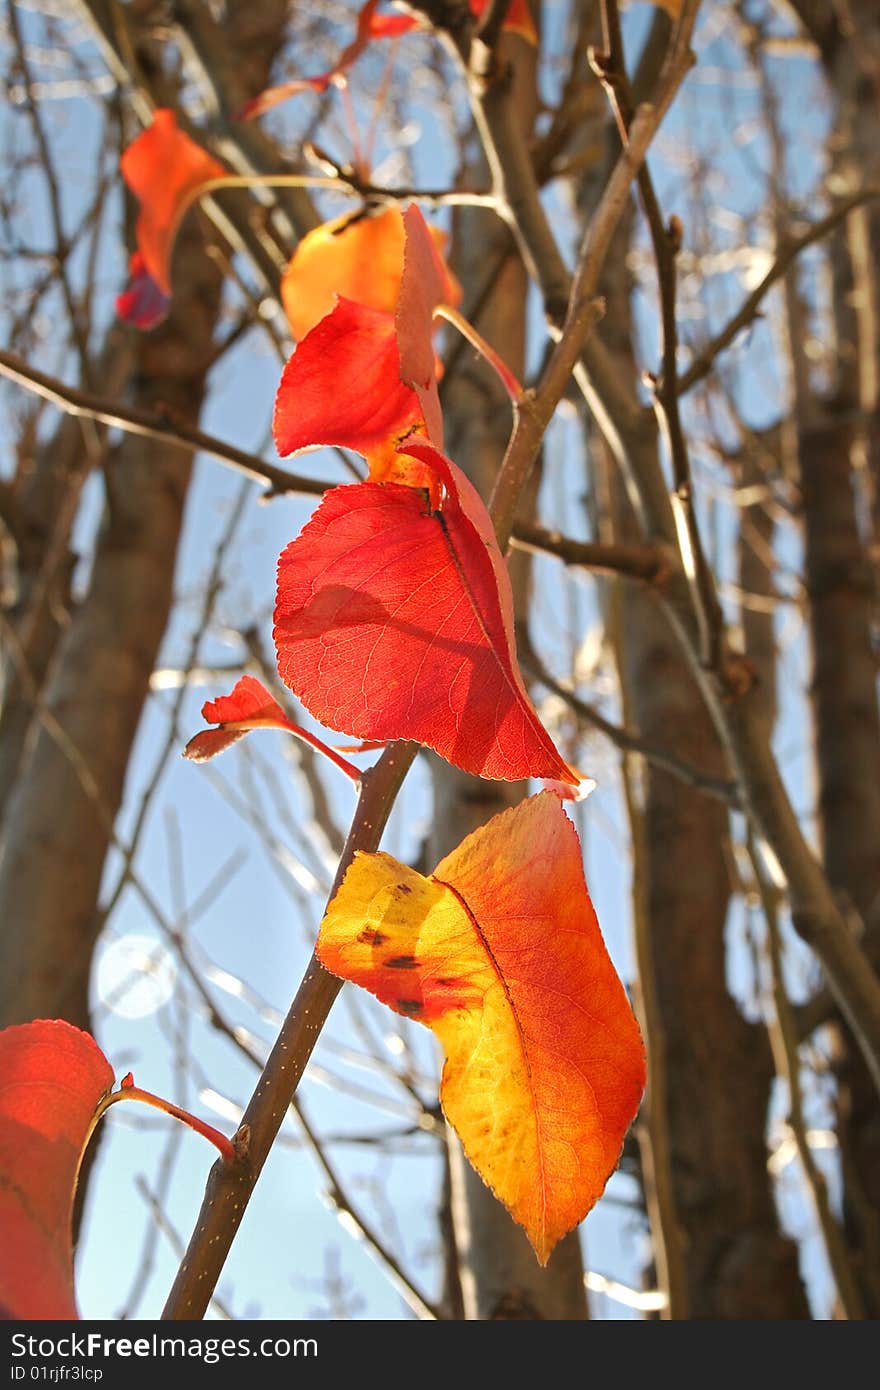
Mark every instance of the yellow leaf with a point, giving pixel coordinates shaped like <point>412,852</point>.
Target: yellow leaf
<point>499,952</point>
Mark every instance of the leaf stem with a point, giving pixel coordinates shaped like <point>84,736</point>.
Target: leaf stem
<point>473,336</point>
<point>128,1091</point>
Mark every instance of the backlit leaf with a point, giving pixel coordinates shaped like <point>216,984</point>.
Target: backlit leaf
<point>342,386</point>
<point>359,258</point>
<point>163,167</point>
<point>499,952</point>
<point>52,1077</point>
<point>395,621</point>
<point>248,706</point>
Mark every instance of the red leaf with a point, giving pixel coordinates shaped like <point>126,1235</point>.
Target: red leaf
<point>342,386</point>
<point>53,1078</point>
<point>425,283</point>
<point>248,706</point>
<point>369,26</point>
<point>163,167</point>
<point>394,621</point>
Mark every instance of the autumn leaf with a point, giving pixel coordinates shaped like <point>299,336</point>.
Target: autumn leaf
<point>164,168</point>
<point>362,377</point>
<point>53,1078</point>
<point>359,257</point>
<point>395,621</point>
<point>249,706</point>
<point>342,386</point>
<point>500,954</point>
<point>141,303</point>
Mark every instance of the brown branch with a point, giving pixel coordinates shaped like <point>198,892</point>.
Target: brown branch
<point>784,1042</point>
<point>134,420</point>
<point>649,563</point>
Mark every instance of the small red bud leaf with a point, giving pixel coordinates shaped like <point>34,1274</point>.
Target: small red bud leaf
<point>250,706</point>
<point>395,621</point>
<point>53,1079</point>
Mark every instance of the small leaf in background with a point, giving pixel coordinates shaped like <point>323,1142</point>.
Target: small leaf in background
<point>499,952</point>
<point>518,19</point>
<point>164,168</point>
<point>370,26</point>
<point>52,1078</point>
<point>395,621</point>
<point>248,706</point>
<point>358,257</point>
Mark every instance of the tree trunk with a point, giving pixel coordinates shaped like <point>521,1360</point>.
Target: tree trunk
<point>59,819</point>
<point>499,1275</point>
<point>839,456</point>
<point>710,1069</point>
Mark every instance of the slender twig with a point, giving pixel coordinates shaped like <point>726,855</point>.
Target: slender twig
<point>648,563</point>
<point>788,251</point>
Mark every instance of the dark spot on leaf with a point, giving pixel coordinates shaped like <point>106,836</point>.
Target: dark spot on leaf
<point>402,963</point>
<point>446,983</point>
<point>413,1007</point>
<point>403,888</point>
<point>370,937</point>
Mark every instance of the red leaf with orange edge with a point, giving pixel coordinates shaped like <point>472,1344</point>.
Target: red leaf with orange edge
<point>500,954</point>
<point>342,386</point>
<point>164,168</point>
<point>53,1077</point>
<point>395,621</point>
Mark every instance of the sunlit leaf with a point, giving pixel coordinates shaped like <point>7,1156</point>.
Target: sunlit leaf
<point>499,952</point>
<point>248,706</point>
<point>394,620</point>
<point>359,258</point>
<point>52,1077</point>
<point>164,168</point>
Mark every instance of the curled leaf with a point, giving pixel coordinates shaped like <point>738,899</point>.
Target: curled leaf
<point>250,706</point>
<point>164,169</point>
<point>53,1079</point>
<point>394,620</point>
<point>499,953</point>
<point>362,378</point>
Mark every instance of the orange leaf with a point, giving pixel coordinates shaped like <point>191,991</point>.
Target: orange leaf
<point>342,386</point>
<point>499,952</point>
<point>163,167</point>
<point>53,1077</point>
<point>250,706</point>
<point>359,258</point>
